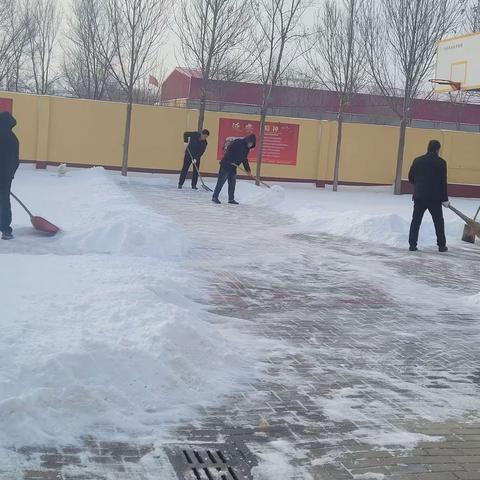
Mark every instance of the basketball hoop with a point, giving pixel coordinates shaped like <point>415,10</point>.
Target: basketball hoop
<point>455,86</point>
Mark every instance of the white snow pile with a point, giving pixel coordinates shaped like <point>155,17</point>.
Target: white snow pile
<point>474,300</point>
<point>261,196</point>
<point>90,343</point>
<point>370,214</point>
<point>98,335</point>
<point>104,219</point>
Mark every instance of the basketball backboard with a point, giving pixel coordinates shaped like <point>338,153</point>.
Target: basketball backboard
<point>458,64</point>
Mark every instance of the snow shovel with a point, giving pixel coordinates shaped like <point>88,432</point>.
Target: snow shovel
<point>38,223</point>
<point>472,227</point>
<point>260,181</point>
<point>204,186</point>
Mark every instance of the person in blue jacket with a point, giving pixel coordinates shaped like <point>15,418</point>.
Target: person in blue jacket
<point>236,154</point>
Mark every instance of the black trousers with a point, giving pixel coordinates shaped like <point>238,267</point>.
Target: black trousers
<point>435,209</point>
<point>226,172</point>
<point>187,161</point>
<point>5,206</point>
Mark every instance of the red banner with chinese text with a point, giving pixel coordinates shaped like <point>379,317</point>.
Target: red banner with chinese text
<point>280,144</point>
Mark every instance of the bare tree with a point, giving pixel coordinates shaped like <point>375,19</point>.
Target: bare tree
<point>16,14</point>
<point>212,36</point>
<point>12,42</point>
<point>42,28</point>
<point>400,38</point>
<point>337,58</point>
<point>473,16</point>
<point>138,29</point>
<point>85,69</point>
<point>277,35</point>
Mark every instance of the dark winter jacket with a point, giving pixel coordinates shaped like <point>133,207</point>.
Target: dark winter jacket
<point>9,155</point>
<point>428,174</point>
<point>237,152</point>
<point>196,146</point>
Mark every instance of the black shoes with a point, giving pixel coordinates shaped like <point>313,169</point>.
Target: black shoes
<point>180,187</point>
<point>440,249</point>
<point>7,236</point>
<point>194,187</point>
<point>231,202</point>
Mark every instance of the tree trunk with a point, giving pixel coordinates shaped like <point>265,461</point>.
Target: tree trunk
<point>401,148</point>
<point>336,169</point>
<point>126,140</point>
<point>201,111</point>
<point>263,118</point>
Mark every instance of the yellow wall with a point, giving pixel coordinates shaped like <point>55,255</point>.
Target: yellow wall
<point>57,130</point>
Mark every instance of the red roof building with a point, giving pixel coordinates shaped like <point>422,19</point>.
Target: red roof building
<point>183,86</point>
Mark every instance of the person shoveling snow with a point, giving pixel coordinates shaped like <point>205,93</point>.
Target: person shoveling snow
<point>428,175</point>
<point>9,161</point>
<point>236,154</point>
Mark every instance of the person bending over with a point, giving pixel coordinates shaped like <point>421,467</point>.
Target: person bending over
<point>236,154</point>
<point>195,146</point>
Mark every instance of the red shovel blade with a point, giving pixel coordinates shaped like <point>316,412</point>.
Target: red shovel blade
<point>44,226</point>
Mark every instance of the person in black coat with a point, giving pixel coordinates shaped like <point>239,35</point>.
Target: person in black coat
<point>428,174</point>
<point>195,146</point>
<point>9,161</point>
<point>236,154</point>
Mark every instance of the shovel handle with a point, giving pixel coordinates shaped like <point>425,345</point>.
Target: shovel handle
<point>466,219</point>
<point>22,204</point>
<point>262,182</point>
<point>476,215</point>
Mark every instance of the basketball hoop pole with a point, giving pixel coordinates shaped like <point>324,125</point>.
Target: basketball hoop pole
<point>455,86</point>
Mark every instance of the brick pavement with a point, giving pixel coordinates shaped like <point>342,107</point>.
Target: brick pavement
<point>373,343</point>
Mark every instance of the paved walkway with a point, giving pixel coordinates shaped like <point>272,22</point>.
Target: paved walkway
<point>376,348</point>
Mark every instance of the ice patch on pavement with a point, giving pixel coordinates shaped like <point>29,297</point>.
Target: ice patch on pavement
<point>328,459</point>
<point>275,464</point>
<point>394,438</point>
<point>369,476</point>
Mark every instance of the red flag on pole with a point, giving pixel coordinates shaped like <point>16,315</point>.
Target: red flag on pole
<point>153,81</point>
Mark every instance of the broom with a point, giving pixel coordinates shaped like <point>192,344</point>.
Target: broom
<point>38,223</point>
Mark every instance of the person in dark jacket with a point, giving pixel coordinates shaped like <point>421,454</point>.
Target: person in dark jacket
<point>428,174</point>
<point>195,146</point>
<point>9,161</point>
<point>236,154</point>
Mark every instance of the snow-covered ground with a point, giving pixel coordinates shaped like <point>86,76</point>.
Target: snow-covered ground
<point>370,214</point>
<point>100,335</point>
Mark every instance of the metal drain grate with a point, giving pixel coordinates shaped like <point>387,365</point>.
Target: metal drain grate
<point>212,462</point>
